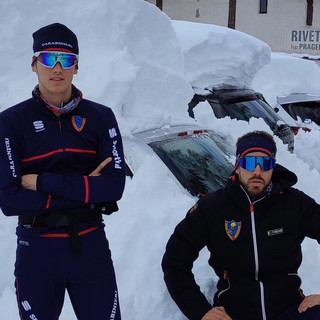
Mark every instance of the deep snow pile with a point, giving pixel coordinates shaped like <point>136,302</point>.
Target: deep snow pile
<point>287,74</point>
<point>130,59</point>
<point>217,55</point>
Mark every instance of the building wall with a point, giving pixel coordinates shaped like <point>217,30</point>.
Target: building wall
<point>204,11</point>
<point>283,27</point>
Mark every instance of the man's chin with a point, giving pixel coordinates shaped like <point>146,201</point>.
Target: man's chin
<point>255,191</point>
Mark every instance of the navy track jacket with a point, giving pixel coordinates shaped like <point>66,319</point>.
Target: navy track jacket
<point>63,150</point>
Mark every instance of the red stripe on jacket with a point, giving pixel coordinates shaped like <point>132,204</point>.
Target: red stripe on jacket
<point>86,182</point>
<point>41,156</point>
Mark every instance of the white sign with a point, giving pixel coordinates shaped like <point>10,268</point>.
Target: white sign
<point>304,41</point>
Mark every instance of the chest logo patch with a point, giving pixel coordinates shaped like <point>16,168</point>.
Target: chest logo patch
<point>38,126</point>
<point>275,232</point>
<point>232,229</point>
<point>78,122</point>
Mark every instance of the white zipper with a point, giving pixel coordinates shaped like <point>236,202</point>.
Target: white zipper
<point>225,278</point>
<point>255,249</point>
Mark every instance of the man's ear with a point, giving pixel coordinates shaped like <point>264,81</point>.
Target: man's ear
<point>34,67</point>
<point>237,170</point>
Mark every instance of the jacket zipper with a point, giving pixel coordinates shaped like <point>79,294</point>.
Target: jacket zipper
<point>225,277</point>
<point>255,249</point>
<point>60,131</point>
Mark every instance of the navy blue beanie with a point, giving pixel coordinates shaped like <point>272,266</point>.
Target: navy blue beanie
<point>254,143</point>
<point>55,37</point>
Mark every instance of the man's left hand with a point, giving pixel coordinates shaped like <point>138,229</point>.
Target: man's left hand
<point>309,302</point>
<point>98,170</point>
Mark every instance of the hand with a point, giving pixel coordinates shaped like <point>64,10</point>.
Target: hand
<point>216,313</point>
<point>29,181</point>
<point>98,170</point>
<point>309,302</point>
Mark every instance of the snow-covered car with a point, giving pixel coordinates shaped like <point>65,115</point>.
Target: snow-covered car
<point>199,159</point>
<point>301,107</point>
<point>220,80</point>
<point>243,104</point>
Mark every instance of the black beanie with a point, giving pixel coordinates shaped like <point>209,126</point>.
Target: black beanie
<point>55,37</point>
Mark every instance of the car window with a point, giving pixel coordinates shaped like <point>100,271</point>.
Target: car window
<point>253,108</point>
<point>306,111</point>
<point>198,161</point>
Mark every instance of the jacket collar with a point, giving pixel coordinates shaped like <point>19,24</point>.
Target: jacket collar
<point>76,97</point>
<point>282,179</point>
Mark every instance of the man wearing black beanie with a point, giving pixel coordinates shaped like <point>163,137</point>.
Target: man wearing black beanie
<point>62,167</point>
<point>253,229</point>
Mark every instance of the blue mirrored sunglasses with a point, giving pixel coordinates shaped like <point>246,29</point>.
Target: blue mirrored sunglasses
<point>51,58</point>
<point>250,162</point>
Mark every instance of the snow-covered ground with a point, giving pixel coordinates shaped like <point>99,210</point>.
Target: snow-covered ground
<point>132,61</point>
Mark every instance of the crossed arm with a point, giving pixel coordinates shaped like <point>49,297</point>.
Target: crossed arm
<point>29,181</point>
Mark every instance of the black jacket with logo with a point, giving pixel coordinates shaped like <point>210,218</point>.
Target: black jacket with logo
<point>255,249</point>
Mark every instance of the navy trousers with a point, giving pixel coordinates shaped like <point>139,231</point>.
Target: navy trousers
<point>46,267</point>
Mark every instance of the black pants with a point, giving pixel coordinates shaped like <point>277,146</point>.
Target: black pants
<point>293,314</point>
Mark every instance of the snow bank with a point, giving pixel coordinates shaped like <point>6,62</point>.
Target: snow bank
<point>287,74</point>
<point>215,55</point>
<point>130,58</point>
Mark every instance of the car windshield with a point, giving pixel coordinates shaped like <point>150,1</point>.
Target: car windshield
<point>305,111</point>
<point>199,161</point>
<point>254,108</point>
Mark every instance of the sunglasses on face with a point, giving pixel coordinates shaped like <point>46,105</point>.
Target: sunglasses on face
<point>51,58</point>
<point>249,163</point>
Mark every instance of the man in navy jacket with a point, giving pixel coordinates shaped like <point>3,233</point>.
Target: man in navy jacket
<point>253,229</point>
<point>62,167</point>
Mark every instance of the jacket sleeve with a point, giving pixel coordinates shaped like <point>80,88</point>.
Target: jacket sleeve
<point>14,199</point>
<point>87,189</point>
<point>311,217</point>
<point>182,250</point>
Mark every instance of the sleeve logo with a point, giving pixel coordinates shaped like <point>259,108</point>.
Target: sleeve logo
<point>112,133</point>
<point>10,158</point>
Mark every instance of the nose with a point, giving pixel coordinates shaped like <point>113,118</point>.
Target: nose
<point>57,67</point>
<point>257,169</point>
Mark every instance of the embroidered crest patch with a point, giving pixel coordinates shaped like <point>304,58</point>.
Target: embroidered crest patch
<point>232,229</point>
<point>78,122</point>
